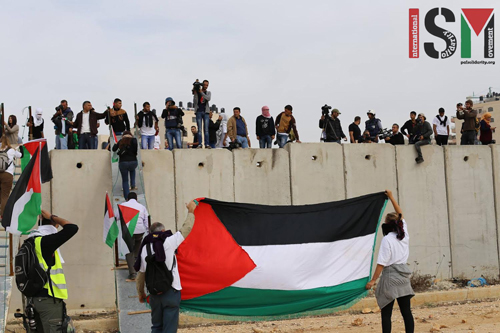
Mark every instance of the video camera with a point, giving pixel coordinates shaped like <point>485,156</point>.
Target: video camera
<point>59,108</point>
<point>325,110</point>
<point>234,145</point>
<point>197,85</point>
<point>384,133</point>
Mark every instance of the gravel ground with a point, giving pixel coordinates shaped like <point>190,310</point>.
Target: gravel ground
<point>450,317</point>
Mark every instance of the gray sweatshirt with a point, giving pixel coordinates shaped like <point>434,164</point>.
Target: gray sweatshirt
<point>206,96</point>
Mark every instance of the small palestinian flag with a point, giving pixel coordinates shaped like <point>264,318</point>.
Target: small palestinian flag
<point>111,230</point>
<point>244,261</point>
<point>114,154</point>
<point>25,202</point>
<point>128,222</point>
<point>28,150</point>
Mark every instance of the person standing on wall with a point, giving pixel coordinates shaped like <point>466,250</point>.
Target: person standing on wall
<point>49,303</point>
<point>237,129</point>
<point>173,123</point>
<point>354,130</point>
<point>118,118</point>
<point>86,124</point>
<point>408,128</point>
<point>126,149</point>
<point>468,115</point>
<point>264,127</point>
<point>201,97</point>
<point>486,136</point>
<point>392,264</point>
<point>332,127</point>
<point>441,128</point>
<point>373,125</point>
<point>12,129</point>
<point>213,127</point>
<point>7,175</point>
<point>285,123</point>
<point>62,120</point>
<point>36,123</point>
<point>147,121</point>
<point>160,246</point>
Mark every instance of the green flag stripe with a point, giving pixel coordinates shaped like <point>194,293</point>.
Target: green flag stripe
<point>466,44</point>
<point>132,224</point>
<point>255,304</point>
<point>25,159</point>
<point>113,233</point>
<point>28,217</point>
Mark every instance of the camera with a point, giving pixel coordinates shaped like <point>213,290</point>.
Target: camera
<point>234,145</point>
<point>384,134</point>
<point>197,85</point>
<point>59,108</point>
<point>325,110</point>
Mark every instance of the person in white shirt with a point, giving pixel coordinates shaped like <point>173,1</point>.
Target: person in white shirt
<point>147,121</point>
<point>165,306</point>
<point>7,177</point>
<point>141,228</point>
<point>392,263</point>
<point>441,128</point>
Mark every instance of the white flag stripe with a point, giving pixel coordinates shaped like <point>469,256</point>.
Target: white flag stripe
<point>19,206</point>
<point>308,266</point>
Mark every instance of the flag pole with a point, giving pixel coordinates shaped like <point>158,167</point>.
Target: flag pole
<point>117,261</point>
<point>30,135</point>
<point>11,254</point>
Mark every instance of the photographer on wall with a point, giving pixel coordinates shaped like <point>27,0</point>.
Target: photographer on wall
<point>468,115</point>
<point>373,125</point>
<point>201,97</point>
<point>62,120</point>
<point>331,125</point>
<point>395,137</point>
<point>173,124</point>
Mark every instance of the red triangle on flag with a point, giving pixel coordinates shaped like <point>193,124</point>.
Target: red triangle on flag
<point>128,213</point>
<point>35,181</point>
<point>32,145</point>
<point>477,17</point>
<point>210,259</point>
<point>109,207</point>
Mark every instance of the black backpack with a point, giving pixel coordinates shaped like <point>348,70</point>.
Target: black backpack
<point>30,276</point>
<point>158,277</point>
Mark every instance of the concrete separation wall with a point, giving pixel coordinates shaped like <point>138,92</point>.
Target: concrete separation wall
<point>422,196</point>
<point>262,176</point>
<point>316,172</point>
<point>159,185</point>
<point>473,228</point>
<point>495,149</point>
<point>81,179</point>
<point>202,173</point>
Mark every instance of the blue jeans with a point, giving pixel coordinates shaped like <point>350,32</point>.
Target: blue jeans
<point>265,141</point>
<point>212,145</point>
<point>86,141</point>
<point>282,140</point>
<point>126,168</point>
<point>61,143</point>
<point>165,311</point>
<point>170,135</point>
<point>242,141</point>
<point>205,117</point>
<point>147,141</point>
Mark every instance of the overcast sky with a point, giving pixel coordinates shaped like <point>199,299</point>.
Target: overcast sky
<point>350,55</point>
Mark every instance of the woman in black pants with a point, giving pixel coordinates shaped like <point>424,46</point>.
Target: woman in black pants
<point>395,281</point>
<point>127,152</point>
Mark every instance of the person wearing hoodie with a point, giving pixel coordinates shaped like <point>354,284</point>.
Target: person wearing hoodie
<point>62,120</point>
<point>36,125</point>
<point>173,122</point>
<point>265,128</point>
<point>221,132</point>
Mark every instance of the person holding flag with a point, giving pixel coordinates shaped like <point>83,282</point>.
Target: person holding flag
<point>49,303</point>
<point>7,156</point>
<point>135,217</point>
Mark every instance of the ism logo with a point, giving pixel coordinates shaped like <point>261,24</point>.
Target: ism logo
<point>477,20</point>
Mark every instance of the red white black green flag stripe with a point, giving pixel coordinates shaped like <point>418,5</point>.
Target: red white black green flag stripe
<point>253,261</point>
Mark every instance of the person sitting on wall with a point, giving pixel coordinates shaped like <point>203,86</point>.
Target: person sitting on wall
<point>195,143</point>
<point>424,128</point>
<point>396,138</point>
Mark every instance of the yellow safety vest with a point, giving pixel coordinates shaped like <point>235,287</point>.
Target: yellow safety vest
<point>56,273</point>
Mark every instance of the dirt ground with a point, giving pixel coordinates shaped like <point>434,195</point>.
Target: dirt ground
<point>453,317</point>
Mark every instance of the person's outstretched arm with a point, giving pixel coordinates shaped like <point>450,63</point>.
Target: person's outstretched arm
<point>394,203</point>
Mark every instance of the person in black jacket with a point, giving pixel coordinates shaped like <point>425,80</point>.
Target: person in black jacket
<point>173,123</point>
<point>264,128</point>
<point>127,152</point>
<point>408,128</point>
<point>396,138</point>
<point>212,129</point>
<point>332,128</point>
<point>117,117</point>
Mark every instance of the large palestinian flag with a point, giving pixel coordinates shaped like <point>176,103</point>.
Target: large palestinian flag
<point>25,202</point>
<point>244,261</point>
<point>110,229</point>
<point>28,151</point>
